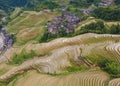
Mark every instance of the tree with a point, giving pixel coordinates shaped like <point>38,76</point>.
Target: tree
<point>107,13</point>
<point>117,2</point>
<point>62,32</point>
<point>0,26</point>
<point>115,29</point>
<point>97,27</point>
<point>110,66</point>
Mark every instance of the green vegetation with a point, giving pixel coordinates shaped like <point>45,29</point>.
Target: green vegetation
<point>8,5</point>
<point>73,10</point>
<point>37,5</point>
<point>1,26</point>
<point>48,36</point>
<point>29,27</point>
<point>12,80</point>
<point>100,28</point>
<point>76,68</point>
<point>3,84</point>
<point>112,67</point>
<point>2,71</point>
<point>16,13</point>
<point>83,3</point>
<point>115,29</point>
<point>23,56</point>
<point>71,70</point>
<point>117,2</point>
<point>108,13</point>
<point>43,4</point>
<point>31,24</point>
<point>97,27</point>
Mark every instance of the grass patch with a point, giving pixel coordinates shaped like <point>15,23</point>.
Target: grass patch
<point>77,68</point>
<point>71,70</point>
<point>20,43</point>
<point>12,80</point>
<point>110,66</point>
<point>35,36</point>
<point>23,56</point>
<point>16,13</point>
<point>2,71</point>
<point>3,84</point>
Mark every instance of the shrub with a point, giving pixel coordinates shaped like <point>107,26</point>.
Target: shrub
<point>42,4</point>
<point>108,13</point>
<point>117,2</point>
<point>83,3</point>
<point>112,67</point>
<point>115,29</point>
<point>23,56</point>
<point>97,27</point>
<point>48,36</point>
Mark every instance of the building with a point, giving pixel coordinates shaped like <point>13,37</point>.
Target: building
<point>105,3</point>
<point>7,39</point>
<point>67,21</point>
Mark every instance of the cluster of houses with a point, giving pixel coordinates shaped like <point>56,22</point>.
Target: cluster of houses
<point>7,39</point>
<point>91,8</point>
<point>105,3</point>
<point>66,21</point>
<point>88,10</point>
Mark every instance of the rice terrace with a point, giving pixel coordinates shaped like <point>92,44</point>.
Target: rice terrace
<point>59,43</point>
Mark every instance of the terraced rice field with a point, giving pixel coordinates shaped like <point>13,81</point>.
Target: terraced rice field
<point>16,12</point>
<point>114,82</point>
<point>62,53</point>
<point>112,23</point>
<point>84,40</point>
<point>31,24</point>
<point>93,20</point>
<point>90,78</point>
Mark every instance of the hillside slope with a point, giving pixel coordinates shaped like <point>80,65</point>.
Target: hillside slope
<point>31,24</point>
<point>59,53</point>
<point>9,5</point>
<point>83,51</point>
<point>77,79</point>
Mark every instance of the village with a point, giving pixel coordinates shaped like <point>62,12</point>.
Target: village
<point>105,3</point>
<point>6,40</point>
<point>66,21</point>
<point>90,9</point>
